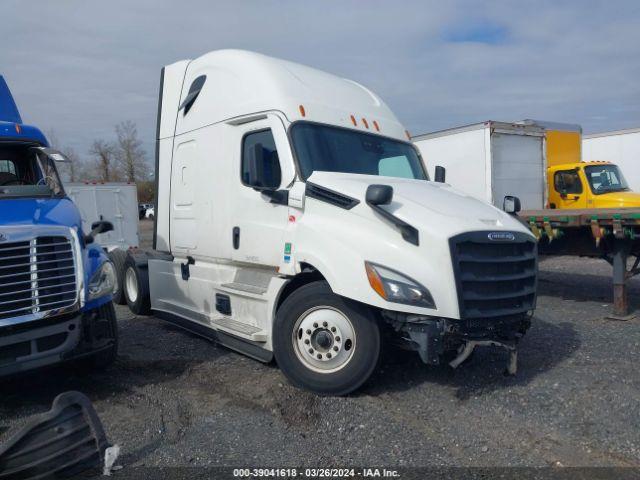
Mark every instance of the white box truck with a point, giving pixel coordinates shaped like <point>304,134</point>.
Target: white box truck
<point>491,160</point>
<point>115,202</point>
<point>621,147</point>
<point>295,220</point>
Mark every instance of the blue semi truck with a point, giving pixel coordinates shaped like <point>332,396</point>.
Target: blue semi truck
<point>55,284</point>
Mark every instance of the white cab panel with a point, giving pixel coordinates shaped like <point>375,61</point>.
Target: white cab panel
<point>183,214</point>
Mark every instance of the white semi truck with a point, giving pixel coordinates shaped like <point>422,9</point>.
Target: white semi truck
<point>295,220</point>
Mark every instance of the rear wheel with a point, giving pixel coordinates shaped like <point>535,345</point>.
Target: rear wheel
<point>325,343</point>
<point>136,287</point>
<point>118,258</point>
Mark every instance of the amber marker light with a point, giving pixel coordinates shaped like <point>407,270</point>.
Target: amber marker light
<point>377,127</point>
<point>302,111</point>
<point>353,120</point>
<point>366,124</point>
<point>375,281</point>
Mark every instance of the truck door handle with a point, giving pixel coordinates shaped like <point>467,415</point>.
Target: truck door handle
<point>236,237</point>
<point>184,268</point>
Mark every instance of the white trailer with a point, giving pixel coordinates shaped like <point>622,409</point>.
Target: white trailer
<point>295,220</point>
<point>491,160</point>
<point>115,202</point>
<point>621,147</point>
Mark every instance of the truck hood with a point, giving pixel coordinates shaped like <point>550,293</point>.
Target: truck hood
<point>423,204</point>
<point>337,237</point>
<point>617,200</point>
<point>39,211</point>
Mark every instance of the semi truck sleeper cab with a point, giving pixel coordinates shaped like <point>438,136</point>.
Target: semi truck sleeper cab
<point>294,220</point>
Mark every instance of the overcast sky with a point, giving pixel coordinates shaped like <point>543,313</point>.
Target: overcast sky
<point>80,67</point>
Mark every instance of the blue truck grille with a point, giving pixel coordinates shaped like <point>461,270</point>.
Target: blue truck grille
<point>494,278</point>
<point>37,276</point>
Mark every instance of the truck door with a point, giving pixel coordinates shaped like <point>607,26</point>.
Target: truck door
<point>183,220</point>
<point>568,190</point>
<point>265,166</point>
<point>518,169</point>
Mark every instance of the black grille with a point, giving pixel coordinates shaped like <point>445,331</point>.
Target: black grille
<point>494,278</point>
<point>36,275</point>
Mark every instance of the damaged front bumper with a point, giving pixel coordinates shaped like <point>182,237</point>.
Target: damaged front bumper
<point>40,343</point>
<point>439,340</point>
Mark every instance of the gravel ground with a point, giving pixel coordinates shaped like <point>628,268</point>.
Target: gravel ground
<point>174,399</point>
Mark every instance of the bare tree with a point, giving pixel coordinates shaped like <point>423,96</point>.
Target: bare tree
<point>74,169</point>
<point>130,154</point>
<point>52,137</point>
<point>105,166</point>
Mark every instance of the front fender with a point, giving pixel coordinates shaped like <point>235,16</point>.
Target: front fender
<point>337,243</point>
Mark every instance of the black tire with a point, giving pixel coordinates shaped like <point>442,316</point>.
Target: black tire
<point>118,257</point>
<point>364,359</point>
<point>139,302</point>
<point>105,358</point>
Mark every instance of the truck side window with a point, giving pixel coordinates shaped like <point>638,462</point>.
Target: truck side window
<point>7,166</point>
<point>567,181</point>
<point>259,150</point>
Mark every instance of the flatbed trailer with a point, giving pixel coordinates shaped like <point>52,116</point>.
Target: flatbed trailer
<point>610,234</point>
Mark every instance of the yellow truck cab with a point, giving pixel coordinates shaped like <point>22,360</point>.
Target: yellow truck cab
<point>573,183</point>
<point>589,185</point>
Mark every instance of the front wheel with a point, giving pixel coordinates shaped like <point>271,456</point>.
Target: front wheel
<point>325,343</point>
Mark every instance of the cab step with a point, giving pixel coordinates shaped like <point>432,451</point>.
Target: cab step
<point>242,330</point>
<point>244,287</point>
<point>251,280</point>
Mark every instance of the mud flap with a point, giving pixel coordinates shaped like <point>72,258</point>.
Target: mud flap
<point>61,443</point>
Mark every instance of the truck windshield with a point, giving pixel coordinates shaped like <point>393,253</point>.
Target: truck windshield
<point>334,149</point>
<point>27,172</point>
<point>605,178</point>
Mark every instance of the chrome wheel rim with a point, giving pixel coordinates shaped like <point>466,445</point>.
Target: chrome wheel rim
<point>131,284</point>
<point>324,339</point>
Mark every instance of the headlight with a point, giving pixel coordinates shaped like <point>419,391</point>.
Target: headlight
<point>103,281</point>
<point>397,288</point>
